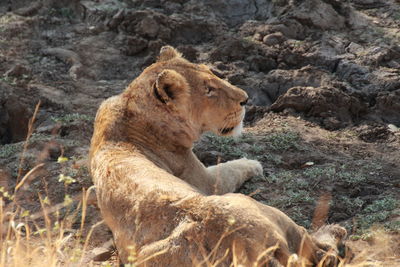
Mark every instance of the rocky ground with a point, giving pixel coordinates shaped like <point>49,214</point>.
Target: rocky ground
<point>322,75</point>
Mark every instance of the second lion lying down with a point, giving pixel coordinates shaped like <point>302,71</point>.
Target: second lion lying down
<point>162,205</point>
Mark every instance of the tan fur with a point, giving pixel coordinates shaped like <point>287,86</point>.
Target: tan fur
<point>158,199</point>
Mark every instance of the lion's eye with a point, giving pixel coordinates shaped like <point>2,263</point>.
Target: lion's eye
<point>210,91</point>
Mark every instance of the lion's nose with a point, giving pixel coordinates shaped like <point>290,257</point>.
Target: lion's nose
<point>244,102</point>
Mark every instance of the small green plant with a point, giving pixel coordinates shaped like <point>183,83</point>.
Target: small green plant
<point>330,171</point>
<point>351,205</point>
<point>282,141</point>
<point>396,15</point>
<point>64,12</point>
<point>9,80</point>
<point>8,150</point>
<point>298,196</point>
<point>376,212</point>
<point>72,118</point>
<point>271,158</point>
<point>67,12</point>
<point>297,214</point>
<point>228,145</point>
<point>350,177</point>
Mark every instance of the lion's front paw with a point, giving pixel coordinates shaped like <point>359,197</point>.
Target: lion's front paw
<point>254,167</point>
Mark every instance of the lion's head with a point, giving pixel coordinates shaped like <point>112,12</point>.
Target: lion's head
<point>191,93</point>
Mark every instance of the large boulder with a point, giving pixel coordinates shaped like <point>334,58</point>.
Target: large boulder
<point>334,107</point>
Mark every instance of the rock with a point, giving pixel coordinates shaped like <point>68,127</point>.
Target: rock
<point>393,128</point>
<point>277,82</point>
<point>322,59</point>
<point>134,45</point>
<point>394,64</point>
<point>290,58</point>
<point>274,39</point>
<point>254,113</point>
<point>77,69</point>
<point>222,66</point>
<point>354,48</point>
<point>18,70</point>
<point>388,106</point>
<point>230,50</point>
<point>164,33</point>
<point>116,20</point>
<point>259,97</point>
<point>257,37</point>
<point>317,14</point>
<point>332,123</point>
<point>380,56</point>
<point>172,7</point>
<point>236,79</point>
<point>189,52</point>
<point>357,20</point>
<point>246,53</point>
<point>233,12</point>
<point>264,89</point>
<point>155,45</point>
<point>146,23</point>
<point>29,10</point>
<point>373,133</point>
<point>101,254</point>
<point>259,63</point>
<point>352,73</point>
<point>382,79</point>
<point>14,120</point>
<point>51,151</point>
<point>338,107</point>
<point>148,27</point>
<point>368,4</point>
<point>50,95</point>
<point>290,29</point>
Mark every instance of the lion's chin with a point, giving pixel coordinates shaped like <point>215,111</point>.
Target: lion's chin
<point>237,131</point>
<point>234,131</point>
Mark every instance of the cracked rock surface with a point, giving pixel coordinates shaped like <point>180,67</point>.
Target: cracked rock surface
<point>323,78</point>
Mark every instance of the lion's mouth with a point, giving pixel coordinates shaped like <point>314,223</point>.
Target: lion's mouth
<point>235,126</point>
<point>226,130</point>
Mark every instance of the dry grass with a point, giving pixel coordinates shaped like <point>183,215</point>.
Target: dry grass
<point>41,239</point>
<point>25,243</point>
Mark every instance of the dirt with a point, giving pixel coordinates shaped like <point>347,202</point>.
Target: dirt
<point>322,76</point>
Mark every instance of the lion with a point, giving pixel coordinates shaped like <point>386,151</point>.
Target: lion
<point>163,206</point>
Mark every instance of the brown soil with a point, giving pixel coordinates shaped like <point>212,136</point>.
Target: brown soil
<point>322,75</point>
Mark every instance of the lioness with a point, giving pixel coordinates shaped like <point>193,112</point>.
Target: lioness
<point>162,205</point>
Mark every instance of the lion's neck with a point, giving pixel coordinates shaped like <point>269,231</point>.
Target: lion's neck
<point>153,138</point>
<point>165,140</point>
<point>161,144</point>
<point>152,131</point>
<point>161,138</point>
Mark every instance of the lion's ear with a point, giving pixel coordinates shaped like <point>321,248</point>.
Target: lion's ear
<point>167,53</point>
<point>171,87</point>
